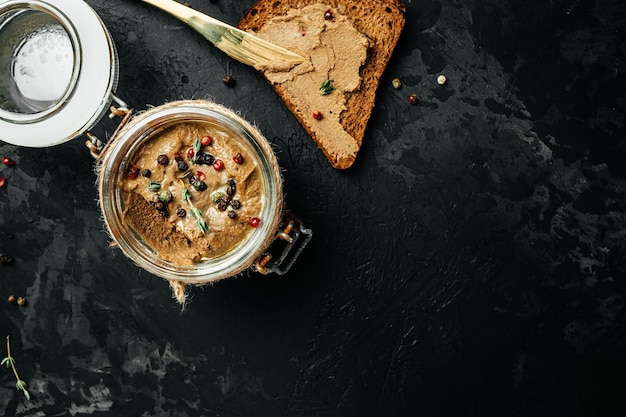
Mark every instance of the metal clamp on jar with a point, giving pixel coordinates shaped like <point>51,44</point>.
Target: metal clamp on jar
<point>58,75</point>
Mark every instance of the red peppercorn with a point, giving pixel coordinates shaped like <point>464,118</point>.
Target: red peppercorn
<point>133,172</point>
<point>200,175</point>
<point>317,115</point>
<point>218,165</point>
<point>238,158</point>
<point>190,153</point>
<point>8,161</point>
<point>328,15</point>
<point>254,222</point>
<point>413,99</point>
<point>2,181</point>
<point>206,140</point>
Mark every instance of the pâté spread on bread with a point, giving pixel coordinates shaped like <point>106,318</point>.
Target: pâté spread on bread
<point>192,193</point>
<point>336,50</point>
<point>349,44</point>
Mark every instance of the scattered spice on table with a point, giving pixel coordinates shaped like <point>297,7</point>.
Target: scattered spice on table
<point>229,81</point>
<point>6,259</point>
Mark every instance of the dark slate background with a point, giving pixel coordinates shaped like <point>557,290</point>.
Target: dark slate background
<point>471,263</point>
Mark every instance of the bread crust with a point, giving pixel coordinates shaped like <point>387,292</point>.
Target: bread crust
<point>381,21</point>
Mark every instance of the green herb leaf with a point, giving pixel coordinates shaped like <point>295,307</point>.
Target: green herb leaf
<point>6,361</point>
<point>326,87</point>
<point>154,186</point>
<point>197,146</point>
<point>186,196</point>
<point>200,217</point>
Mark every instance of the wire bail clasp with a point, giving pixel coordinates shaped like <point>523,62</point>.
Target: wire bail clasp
<point>289,242</point>
<point>93,143</point>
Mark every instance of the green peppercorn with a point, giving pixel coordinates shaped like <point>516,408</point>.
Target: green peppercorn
<point>165,196</point>
<point>199,185</point>
<point>217,196</point>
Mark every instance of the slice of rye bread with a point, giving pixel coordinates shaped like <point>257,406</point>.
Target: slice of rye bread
<point>381,21</point>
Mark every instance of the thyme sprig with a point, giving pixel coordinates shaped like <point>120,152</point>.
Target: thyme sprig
<point>197,146</point>
<point>195,212</point>
<point>10,363</point>
<point>186,195</point>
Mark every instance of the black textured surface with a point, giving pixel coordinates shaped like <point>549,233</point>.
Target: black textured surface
<point>471,263</point>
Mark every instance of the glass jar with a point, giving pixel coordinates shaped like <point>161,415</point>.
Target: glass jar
<point>253,250</point>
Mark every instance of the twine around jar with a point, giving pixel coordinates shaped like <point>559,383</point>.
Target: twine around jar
<point>178,284</point>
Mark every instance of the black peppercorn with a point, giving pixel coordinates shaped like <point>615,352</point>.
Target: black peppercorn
<point>159,205</point>
<point>236,204</point>
<point>205,159</point>
<point>222,205</point>
<point>181,212</point>
<point>182,165</point>
<point>163,159</point>
<point>232,214</point>
<point>164,213</point>
<point>230,190</point>
<point>146,173</point>
<point>5,259</point>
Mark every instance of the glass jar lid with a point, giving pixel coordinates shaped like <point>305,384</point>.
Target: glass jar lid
<point>58,71</point>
